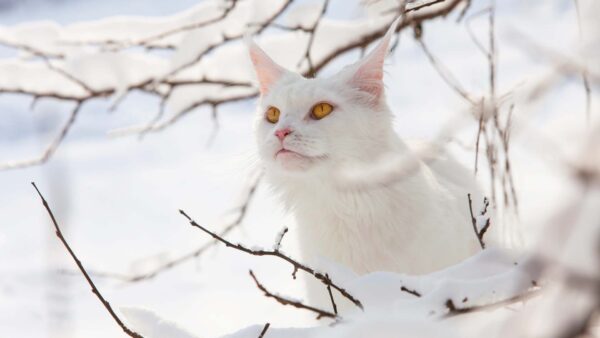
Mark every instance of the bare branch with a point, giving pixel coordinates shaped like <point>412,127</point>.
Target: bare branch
<point>311,69</point>
<point>454,310</point>
<point>83,271</point>
<point>444,73</point>
<point>492,55</point>
<point>264,330</point>
<point>480,129</point>
<point>286,301</point>
<point>584,73</point>
<point>45,156</point>
<point>273,253</point>
<point>159,126</point>
<point>278,243</point>
<point>464,11</point>
<point>242,212</point>
<point>412,292</point>
<point>68,76</point>
<point>331,295</point>
<point>479,232</point>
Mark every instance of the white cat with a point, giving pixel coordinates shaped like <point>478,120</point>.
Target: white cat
<point>307,129</point>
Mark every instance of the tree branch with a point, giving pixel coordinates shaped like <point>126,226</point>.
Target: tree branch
<point>286,301</point>
<point>242,211</point>
<point>51,148</point>
<point>411,291</point>
<point>95,290</point>
<point>331,294</point>
<point>264,330</point>
<point>454,310</point>
<point>479,232</point>
<point>275,253</point>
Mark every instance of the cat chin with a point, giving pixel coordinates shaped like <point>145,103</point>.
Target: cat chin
<point>292,162</point>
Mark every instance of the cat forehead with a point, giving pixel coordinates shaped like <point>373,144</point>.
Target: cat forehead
<point>300,92</point>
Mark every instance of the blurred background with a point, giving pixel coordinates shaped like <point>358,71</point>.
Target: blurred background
<point>117,197</point>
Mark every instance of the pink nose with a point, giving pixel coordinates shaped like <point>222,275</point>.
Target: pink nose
<point>282,133</point>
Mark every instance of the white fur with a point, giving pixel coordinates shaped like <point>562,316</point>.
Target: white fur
<point>414,225</point>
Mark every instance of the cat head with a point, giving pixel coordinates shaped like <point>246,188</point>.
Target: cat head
<point>307,126</point>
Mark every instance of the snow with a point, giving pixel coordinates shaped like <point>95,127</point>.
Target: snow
<point>304,13</point>
<point>488,277</point>
<point>114,70</point>
<point>117,199</point>
<point>149,325</point>
<point>36,78</point>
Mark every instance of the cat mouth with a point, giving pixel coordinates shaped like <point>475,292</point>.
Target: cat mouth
<point>287,153</point>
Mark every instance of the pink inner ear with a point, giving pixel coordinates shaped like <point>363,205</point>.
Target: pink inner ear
<point>369,75</point>
<point>267,71</point>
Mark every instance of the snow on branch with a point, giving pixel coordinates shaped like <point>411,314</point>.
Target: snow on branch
<point>110,58</point>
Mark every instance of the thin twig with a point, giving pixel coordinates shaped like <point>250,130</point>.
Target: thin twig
<point>464,11</point>
<point>83,271</point>
<point>454,310</point>
<point>478,233</point>
<point>412,292</point>
<point>331,295</point>
<point>311,70</point>
<point>492,69</point>
<point>480,127</point>
<point>280,238</point>
<point>68,76</point>
<point>443,71</point>
<point>286,301</point>
<point>242,211</point>
<point>51,148</point>
<point>584,76</point>
<point>273,253</point>
<point>264,330</point>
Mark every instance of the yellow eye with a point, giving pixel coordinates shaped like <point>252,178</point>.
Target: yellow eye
<point>272,115</point>
<point>320,110</point>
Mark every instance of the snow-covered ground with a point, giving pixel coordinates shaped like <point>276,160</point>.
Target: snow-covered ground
<point>117,198</point>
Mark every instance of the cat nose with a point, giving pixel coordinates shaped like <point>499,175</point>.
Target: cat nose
<point>282,133</point>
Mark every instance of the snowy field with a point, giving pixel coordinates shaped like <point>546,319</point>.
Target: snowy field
<point>117,198</point>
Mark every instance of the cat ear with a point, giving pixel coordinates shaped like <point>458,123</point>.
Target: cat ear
<point>368,72</point>
<point>267,71</point>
